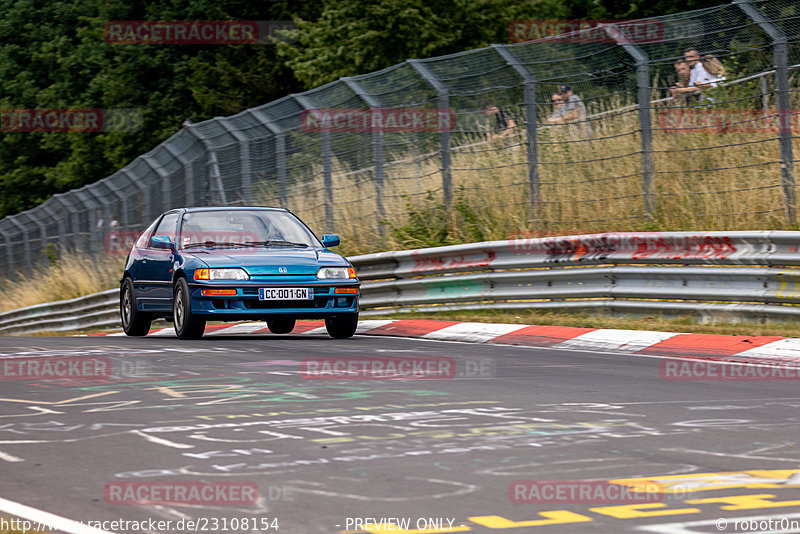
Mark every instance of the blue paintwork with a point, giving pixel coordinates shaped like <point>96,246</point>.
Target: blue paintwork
<point>330,240</point>
<point>155,268</point>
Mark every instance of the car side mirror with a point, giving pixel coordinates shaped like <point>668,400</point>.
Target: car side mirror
<point>162,241</point>
<point>330,240</point>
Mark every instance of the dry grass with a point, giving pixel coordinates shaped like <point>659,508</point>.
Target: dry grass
<point>73,275</point>
<point>703,181</point>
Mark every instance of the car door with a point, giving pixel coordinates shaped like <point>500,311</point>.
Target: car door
<point>155,267</point>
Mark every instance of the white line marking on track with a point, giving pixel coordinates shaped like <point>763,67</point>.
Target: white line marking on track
<point>162,441</point>
<point>48,520</point>
<point>8,458</point>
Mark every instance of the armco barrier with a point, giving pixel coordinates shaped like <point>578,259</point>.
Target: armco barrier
<point>730,274</point>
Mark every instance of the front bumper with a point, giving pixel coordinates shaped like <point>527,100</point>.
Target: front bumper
<point>246,304</point>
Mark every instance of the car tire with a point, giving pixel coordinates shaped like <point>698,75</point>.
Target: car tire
<point>187,325</point>
<point>280,326</point>
<point>342,326</point>
<point>134,322</point>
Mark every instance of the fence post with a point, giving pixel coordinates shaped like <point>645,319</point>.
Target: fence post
<point>26,243</point>
<point>9,255</point>
<point>213,165</point>
<point>645,118</point>
<point>280,153</point>
<point>444,135</point>
<point>166,199</point>
<point>42,230</point>
<point>327,171</point>
<point>245,168</point>
<point>532,145</point>
<point>147,205</point>
<point>188,174</point>
<point>784,106</point>
<point>90,207</point>
<point>74,224</point>
<point>377,147</point>
<point>62,227</point>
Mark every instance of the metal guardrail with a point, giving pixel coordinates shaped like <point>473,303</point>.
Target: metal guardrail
<point>713,274</point>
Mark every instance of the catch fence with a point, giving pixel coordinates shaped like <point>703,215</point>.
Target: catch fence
<point>640,159</point>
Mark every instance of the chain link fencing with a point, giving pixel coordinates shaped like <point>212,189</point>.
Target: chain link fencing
<point>641,157</point>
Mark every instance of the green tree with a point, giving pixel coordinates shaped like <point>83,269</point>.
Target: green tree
<point>358,36</point>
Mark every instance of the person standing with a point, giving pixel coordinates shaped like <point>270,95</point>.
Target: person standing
<point>684,73</point>
<point>574,109</point>
<point>699,78</point>
<point>503,123</point>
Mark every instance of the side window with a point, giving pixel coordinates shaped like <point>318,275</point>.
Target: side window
<point>167,226</point>
<point>141,242</point>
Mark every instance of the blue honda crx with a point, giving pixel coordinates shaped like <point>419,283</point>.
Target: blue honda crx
<point>194,265</point>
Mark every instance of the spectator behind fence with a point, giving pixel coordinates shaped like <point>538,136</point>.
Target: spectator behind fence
<point>706,73</point>
<point>503,123</point>
<point>575,112</point>
<point>559,107</point>
<point>684,73</point>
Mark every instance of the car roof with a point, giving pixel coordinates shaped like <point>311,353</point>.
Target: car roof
<point>233,208</point>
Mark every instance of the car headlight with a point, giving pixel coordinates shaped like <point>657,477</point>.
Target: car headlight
<point>336,272</point>
<point>221,274</point>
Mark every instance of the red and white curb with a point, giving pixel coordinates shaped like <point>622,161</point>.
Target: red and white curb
<point>710,346</point>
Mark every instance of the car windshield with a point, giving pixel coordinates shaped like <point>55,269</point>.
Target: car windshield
<point>252,228</point>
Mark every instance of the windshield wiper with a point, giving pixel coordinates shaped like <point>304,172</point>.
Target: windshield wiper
<point>275,242</point>
<point>213,244</point>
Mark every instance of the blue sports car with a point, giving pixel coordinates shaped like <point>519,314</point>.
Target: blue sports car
<point>193,265</point>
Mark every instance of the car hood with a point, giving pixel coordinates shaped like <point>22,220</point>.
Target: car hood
<point>264,261</point>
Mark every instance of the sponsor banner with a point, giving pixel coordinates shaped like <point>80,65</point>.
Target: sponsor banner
<point>729,121</point>
<point>49,368</point>
<point>377,120</point>
<point>331,368</point>
<point>181,493</point>
<point>70,120</point>
<point>704,370</point>
<point>588,31</point>
<point>195,32</point>
<point>582,492</point>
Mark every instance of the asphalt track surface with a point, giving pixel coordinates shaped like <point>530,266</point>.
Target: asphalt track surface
<point>329,455</point>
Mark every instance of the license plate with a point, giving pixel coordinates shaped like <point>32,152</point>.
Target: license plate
<point>285,293</point>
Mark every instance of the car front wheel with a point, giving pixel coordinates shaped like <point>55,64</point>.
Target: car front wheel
<point>342,326</point>
<point>187,325</point>
<point>134,322</point>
